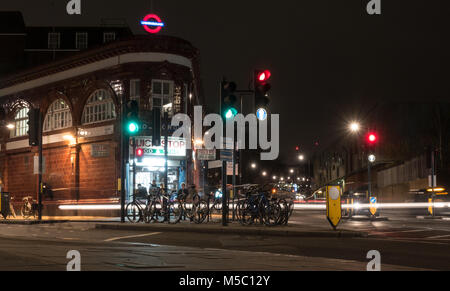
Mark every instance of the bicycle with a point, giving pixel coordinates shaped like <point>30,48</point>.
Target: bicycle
<point>257,206</point>
<point>135,210</point>
<point>30,208</point>
<point>163,208</point>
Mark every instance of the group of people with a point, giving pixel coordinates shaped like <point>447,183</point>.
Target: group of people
<point>142,192</point>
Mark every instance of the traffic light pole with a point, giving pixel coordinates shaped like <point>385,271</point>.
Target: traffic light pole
<point>134,169</point>
<point>369,179</point>
<point>123,143</point>
<point>433,173</point>
<point>40,168</point>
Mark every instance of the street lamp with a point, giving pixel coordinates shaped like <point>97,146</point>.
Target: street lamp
<point>301,157</point>
<point>274,177</point>
<point>10,126</point>
<point>355,127</point>
<point>264,174</point>
<point>253,166</point>
<point>292,171</point>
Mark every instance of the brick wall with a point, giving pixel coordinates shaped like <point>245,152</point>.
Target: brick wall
<point>19,178</point>
<point>98,175</point>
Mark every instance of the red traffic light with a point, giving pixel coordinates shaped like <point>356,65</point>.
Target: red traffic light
<point>264,76</point>
<point>139,153</point>
<point>372,138</point>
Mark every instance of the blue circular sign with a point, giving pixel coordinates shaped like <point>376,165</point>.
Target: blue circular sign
<point>261,114</point>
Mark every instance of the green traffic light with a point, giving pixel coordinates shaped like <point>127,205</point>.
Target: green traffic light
<point>133,127</point>
<point>231,113</point>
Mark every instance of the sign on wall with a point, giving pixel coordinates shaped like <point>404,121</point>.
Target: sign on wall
<point>176,147</point>
<point>152,23</point>
<point>206,155</point>
<point>100,150</point>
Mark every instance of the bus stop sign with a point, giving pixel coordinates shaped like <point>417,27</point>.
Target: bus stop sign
<point>334,206</point>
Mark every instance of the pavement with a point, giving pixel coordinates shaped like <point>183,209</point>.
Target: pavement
<point>307,244</point>
<point>233,228</point>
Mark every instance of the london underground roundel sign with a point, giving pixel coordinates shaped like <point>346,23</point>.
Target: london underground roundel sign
<point>152,23</point>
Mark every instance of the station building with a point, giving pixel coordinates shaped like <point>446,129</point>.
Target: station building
<point>77,77</point>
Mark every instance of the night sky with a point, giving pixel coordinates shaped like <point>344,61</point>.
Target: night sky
<point>330,60</point>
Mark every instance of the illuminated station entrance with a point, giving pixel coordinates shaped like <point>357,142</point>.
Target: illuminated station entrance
<point>151,167</point>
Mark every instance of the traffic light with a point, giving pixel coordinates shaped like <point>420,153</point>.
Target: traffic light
<point>372,138</point>
<point>228,100</point>
<point>262,88</point>
<point>132,118</point>
<point>156,135</point>
<point>139,155</point>
<point>33,126</point>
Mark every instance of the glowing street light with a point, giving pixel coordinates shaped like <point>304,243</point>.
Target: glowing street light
<point>264,174</point>
<point>301,157</point>
<point>354,127</point>
<point>10,126</point>
<point>253,166</point>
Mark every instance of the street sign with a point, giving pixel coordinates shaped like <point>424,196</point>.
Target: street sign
<point>226,155</point>
<point>430,206</point>
<point>334,206</point>
<point>206,155</point>
<point>373,205</point>
<point>230,169</point>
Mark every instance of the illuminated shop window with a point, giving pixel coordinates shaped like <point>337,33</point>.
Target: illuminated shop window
<point>162,95</point>
<point>99,108</point>
<point>21,123</point>
<point>58,116</point>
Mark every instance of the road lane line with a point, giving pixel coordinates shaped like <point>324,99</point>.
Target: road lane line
<point>131,236</point>
<point>438,236</point>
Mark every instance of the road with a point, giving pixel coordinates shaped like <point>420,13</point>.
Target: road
<point>405,243</point>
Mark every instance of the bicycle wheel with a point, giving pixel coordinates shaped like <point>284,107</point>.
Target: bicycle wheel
<point>133,212</point>
<point>147,213</point>
<point>217,207</point>
<point>200,212</point>
<point>284,217</point>
<point>157,212</point>
<point>188,209</point>
<point>247,213</point>
<point>272,213</point>
<point>175,211</point>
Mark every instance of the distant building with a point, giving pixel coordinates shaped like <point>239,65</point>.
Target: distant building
<point>406,131</point>
<point>78,78</point>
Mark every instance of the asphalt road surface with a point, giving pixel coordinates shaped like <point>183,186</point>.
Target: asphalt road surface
<point>405,243</point>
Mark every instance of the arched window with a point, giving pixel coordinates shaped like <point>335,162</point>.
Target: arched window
<point>99,108</point>
<point>20,123</point>
<point>58,116</point>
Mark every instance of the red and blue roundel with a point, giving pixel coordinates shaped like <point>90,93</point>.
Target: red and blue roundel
<point>152,23</point>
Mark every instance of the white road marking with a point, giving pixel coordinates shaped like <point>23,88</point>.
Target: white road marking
<point>438,236</point>
<point>131,236</point>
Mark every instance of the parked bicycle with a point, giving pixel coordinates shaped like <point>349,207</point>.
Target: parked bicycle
<point>30,208</point>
